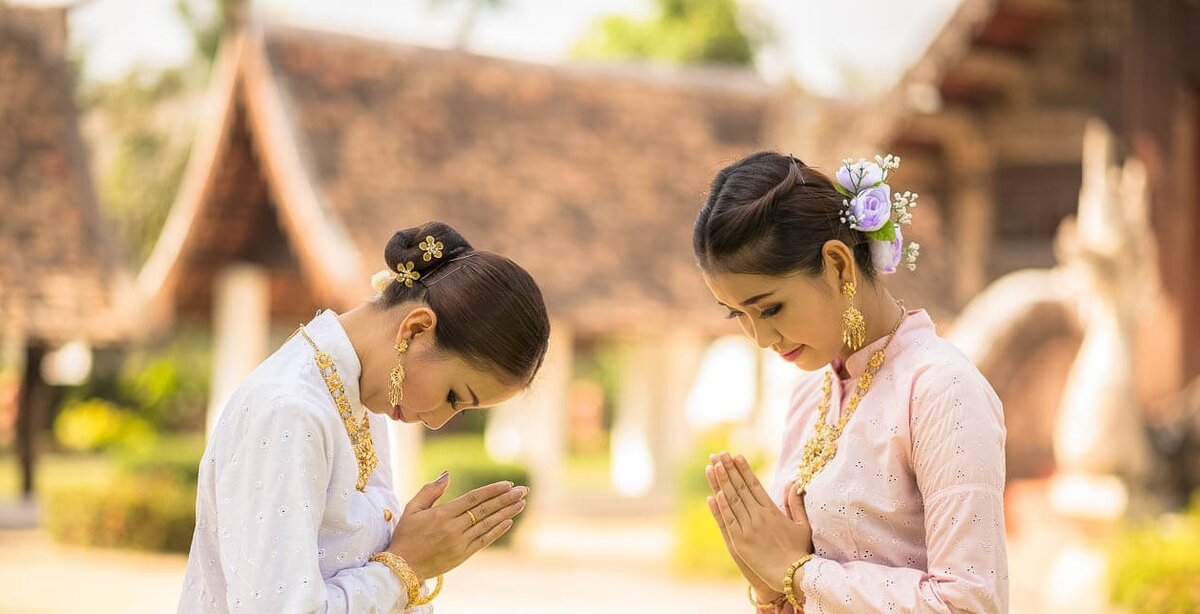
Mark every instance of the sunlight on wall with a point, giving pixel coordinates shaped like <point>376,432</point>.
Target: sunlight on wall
<point>632,469</point>
<point>725,384</point>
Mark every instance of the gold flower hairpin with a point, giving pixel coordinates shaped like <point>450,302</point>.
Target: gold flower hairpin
<point>406,273</point>
<point>432,248</point>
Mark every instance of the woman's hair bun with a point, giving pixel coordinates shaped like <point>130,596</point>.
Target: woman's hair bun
<point>413,245</point>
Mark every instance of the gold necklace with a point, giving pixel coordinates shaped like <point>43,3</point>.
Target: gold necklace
<point>360,434</point>
<point>822,446</point>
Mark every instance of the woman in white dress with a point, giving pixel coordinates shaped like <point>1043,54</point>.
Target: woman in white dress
<point>295,510</point>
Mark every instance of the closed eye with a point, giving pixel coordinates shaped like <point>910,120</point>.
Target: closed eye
<point>771,311</point>
<point>453,400</point>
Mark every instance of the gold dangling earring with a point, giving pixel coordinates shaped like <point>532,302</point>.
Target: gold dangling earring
<point>396,381</point>
<point>854,327</point>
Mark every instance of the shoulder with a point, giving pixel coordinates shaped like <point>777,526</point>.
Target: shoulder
<point>287,385</point>
<point>939,367</point>
<point>946,382</point>
<point>269,408</point>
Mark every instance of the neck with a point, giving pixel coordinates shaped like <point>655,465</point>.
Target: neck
<point>363,325</point>
<point>880,312</point>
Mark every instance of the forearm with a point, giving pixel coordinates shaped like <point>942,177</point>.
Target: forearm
<point>858,586</point>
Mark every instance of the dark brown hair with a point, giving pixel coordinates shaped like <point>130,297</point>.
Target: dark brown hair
<point>490,310</point>
<point>770,214</point>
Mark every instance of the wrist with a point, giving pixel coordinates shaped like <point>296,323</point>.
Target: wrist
<point>792,579</point>
<point>410,580</point>
<point>417,568</point>
<point>768,593</point>
<point>764,599</point>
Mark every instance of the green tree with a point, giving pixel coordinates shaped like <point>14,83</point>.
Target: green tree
<point>141,129</point>
<point>682,31</point>
<point>470,18</point>
<point>140,164</point>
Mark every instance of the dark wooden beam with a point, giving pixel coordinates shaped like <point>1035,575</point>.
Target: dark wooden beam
<point>33,399</point>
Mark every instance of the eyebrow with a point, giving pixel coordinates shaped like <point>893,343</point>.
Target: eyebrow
<point>751,300</point>
<point>474,399</point>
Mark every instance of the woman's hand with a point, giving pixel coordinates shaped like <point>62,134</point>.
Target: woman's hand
<point>434,539</point>
<point>762,589</point>
<point>766,540</point>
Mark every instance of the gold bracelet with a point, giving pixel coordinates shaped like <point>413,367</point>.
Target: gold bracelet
<point>762,606</point>
<point>788,592</point>
<point>437,588</point>
<point>408,577</point>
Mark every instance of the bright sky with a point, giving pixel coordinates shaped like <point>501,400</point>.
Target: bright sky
<point>819,41</point>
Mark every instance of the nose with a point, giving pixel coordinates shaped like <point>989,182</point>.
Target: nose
<point>441,418</point>
<point>764,336</point>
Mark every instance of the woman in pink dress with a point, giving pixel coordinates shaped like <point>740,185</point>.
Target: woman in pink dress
<point>889,493</point>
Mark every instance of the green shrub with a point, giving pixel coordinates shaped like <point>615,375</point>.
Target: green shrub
<point>95,424</point>
<point>136,513</point>
<point>470,467</point>
<point>1155,568</point>
<point>700,550</point>
<point>169,386</point>
<point>148,503</point>
<point>174,457</point>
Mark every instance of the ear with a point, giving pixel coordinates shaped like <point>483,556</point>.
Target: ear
<point>418,321</point>
<point>839,264</point>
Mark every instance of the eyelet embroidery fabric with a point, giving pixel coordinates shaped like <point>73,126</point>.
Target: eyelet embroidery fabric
<point>280,525</point>
<point>908,517</point>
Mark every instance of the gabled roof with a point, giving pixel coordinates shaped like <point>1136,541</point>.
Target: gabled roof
<point>589,177</point>
<point>57,264</point>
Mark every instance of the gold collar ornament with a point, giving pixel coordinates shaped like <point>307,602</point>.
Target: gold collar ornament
<point>359,432</point>
<point>822,446</point>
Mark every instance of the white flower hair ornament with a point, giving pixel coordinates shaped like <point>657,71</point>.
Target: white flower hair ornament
<point>872,208</point>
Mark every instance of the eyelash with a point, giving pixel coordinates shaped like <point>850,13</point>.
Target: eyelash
<point>769,312</point>
<point>453,400</point>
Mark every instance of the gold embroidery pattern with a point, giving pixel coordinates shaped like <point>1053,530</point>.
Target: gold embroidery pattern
<point>360,433</point>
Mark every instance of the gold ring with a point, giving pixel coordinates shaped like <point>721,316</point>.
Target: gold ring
<point>471,515</point>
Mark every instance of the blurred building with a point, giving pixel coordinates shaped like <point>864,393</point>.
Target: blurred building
<point>991,124</point>
<point>316,147</point>
<point>58,267</point>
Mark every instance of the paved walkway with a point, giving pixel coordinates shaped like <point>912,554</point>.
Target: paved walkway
<point>614,566</point>
<point>40,577</point>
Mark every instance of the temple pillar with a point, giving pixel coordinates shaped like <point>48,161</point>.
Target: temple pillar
<point>241,331</point>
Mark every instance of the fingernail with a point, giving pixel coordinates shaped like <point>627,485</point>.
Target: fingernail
<point>508,485</point>
<point>524,490</point>
<point>442,478</point>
